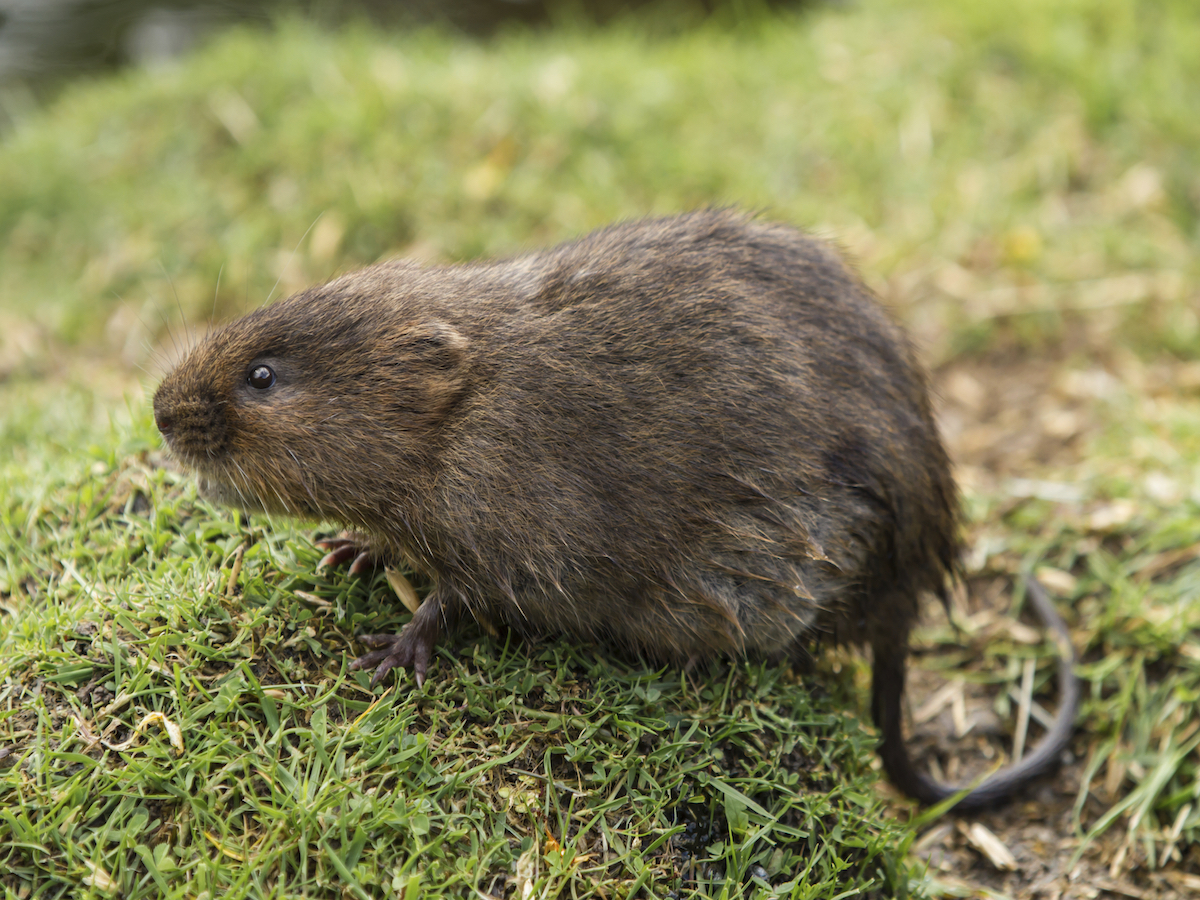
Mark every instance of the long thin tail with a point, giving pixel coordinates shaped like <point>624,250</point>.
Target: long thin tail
<point>888,688</point>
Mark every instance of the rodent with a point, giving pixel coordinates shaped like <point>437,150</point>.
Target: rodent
<point>682,436</point>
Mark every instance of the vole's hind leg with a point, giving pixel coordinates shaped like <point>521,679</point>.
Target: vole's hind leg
<point>349,545</point>
<point>412,648</point>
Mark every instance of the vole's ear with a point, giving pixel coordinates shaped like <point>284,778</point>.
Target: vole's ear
<point>431,371</point>
<point>437,344</point>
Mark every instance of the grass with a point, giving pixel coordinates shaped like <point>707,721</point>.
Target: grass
<point>1016,179</point>
<point>553,765</point>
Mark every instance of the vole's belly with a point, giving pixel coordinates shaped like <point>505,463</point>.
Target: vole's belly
<point>702,612</point>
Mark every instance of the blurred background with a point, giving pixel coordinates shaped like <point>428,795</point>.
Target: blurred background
<point>1013,178</point>
<point>43,40</point>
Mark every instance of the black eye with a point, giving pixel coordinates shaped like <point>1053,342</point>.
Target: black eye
<point>261,377</point>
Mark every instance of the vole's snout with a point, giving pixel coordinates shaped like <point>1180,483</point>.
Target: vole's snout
<point>195,428</point>
<point>164,422</point>
<point>165,401</point>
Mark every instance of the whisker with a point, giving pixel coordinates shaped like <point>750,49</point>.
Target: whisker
<point>292,256</point>
<point>216,293</point>
<point>303,481</point>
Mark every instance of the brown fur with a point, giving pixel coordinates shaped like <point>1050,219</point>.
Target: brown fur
<point>685,437</point>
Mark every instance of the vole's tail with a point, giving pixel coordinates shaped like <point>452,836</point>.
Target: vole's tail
<point>888,688</point>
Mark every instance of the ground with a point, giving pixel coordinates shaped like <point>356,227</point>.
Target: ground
<point>1033,416</point>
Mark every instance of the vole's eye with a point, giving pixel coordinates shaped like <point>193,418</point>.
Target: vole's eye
<point>261,377</point>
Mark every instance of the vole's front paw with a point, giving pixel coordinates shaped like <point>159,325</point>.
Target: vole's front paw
<point>410,649</point>
<point>395,650</point>
<point>349,545</point>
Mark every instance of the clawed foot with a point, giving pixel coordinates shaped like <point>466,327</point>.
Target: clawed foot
<point>348,546</point>
<point>412,648</point>
<point>392,651</point>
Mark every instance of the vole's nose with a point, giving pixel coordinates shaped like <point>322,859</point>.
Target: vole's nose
<point>195,428</point>
<point>163,420</point>
<point>163,417</point>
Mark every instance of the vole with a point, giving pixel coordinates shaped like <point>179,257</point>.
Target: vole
<point>683,437</point>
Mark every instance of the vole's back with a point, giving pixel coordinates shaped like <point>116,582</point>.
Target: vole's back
<point>692,435</point>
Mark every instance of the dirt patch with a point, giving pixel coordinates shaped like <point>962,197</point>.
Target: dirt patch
<point>1031,424</point>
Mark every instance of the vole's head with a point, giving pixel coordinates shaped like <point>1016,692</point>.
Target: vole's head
<point>319,405</point>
